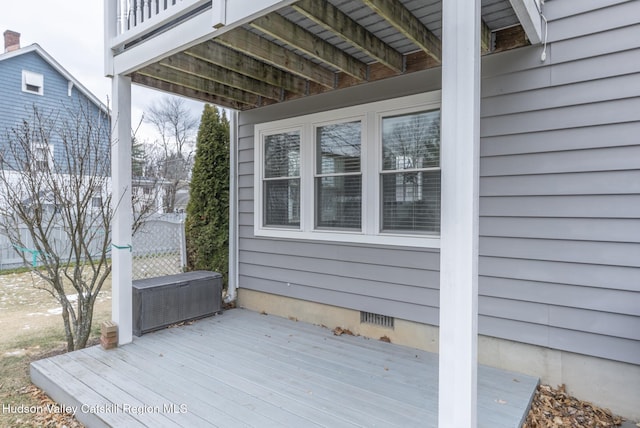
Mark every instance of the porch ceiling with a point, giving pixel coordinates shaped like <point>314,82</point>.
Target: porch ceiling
<point>316,46</point>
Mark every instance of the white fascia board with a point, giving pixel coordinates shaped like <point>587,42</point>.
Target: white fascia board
<point>192,32</point>
<point>528,14</point>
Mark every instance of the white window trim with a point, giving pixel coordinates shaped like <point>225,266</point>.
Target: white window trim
<point>371,165</point>
<point>34,79</point>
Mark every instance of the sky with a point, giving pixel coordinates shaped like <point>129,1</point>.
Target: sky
<point>72,32</point>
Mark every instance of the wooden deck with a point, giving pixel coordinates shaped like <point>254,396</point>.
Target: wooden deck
<point>245,369</point>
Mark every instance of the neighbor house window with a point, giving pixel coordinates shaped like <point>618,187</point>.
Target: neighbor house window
<point>281,182</point>
<point>42,156</point>
<point>364,174</point>
<point>32,82</point>
<point>338,178</point>
<point>410,177</point>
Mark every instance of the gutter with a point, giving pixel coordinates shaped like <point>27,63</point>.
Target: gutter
<point>233,276</point>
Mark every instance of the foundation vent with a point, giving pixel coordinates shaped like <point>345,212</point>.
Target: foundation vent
<point>376,319</point>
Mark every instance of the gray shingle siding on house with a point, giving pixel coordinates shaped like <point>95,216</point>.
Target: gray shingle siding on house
<point>559,207</point>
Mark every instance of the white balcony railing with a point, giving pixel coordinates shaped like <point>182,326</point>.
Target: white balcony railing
<point>138,14</point>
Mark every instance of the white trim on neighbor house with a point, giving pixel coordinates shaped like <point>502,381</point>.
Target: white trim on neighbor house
<point>371,164</point>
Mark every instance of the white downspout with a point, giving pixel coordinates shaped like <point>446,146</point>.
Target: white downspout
<point>233,209</point>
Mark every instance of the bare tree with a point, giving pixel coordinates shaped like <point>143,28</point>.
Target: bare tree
<point>55,207</point>
<point>176,127</point>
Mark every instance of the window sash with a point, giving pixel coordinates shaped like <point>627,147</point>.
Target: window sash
<point>338,177</point>
<point>282,202</point>
<point>410,176</point>
<point>410,201</point>
<point>281,180</point>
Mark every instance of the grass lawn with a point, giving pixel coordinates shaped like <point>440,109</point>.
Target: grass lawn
<point>31,329</point>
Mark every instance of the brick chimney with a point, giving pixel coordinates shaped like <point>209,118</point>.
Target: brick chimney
<point>11,41</point>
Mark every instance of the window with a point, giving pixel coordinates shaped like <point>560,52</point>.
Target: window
<point>32,82</point>
<point>363,174</point>
<point>282,179</point>
<point>410,177</point>
<point>338,187</point>
<point>42,156</point>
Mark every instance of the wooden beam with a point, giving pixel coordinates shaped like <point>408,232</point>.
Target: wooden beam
<point>510,38</point>
<point>298,38</point>
<point>251,67</point>
<point>215,73</point>
<point>258,47</point>
<point>485,38</point>
<point>176,89</point>
<point>396,14</point>
<point>529,17</point>
<point>331,18</point>
<point>167,74</point>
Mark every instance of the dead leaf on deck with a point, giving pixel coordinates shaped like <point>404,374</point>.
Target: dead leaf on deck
<point>553,407</point>
<point>339,331</point>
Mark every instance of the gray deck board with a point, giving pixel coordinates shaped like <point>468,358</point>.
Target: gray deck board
<point>243,369</point>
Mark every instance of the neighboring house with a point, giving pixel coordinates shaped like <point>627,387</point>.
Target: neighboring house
<point>31,80</point>
<point>380,178</point>
<point>149,195</point>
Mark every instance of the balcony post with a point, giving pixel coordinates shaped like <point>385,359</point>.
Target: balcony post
<point>457,406</point>
<point>121,251</point>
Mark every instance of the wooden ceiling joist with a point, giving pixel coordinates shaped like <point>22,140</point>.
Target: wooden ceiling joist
<point>250,67</point>
<point>170,75</point>
<point>184,91</point>
<point>485,38</point>
<point>396,14</point>
<point>260,48</point>
<point>333,19</point>
<point>197,67</point>
<point>298,38</point>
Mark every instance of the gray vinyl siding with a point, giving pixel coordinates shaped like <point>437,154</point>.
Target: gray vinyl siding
<point>559,197</point>
<point>560,185</point>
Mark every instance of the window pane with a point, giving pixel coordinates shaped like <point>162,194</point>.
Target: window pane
<point>282,202</point>
<point>339,201</point>
<point>338,148</point>
<point>411,141</point>
<point>282,155</point>
<point>411,201</point>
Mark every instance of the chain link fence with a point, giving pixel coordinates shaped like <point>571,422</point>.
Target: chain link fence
<point>158,247</point>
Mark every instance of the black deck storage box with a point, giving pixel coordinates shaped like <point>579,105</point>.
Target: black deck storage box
<point>160,302</point>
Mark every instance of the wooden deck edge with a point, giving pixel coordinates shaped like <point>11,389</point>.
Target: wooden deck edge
<point>53,388</point>
<point>528,407</point>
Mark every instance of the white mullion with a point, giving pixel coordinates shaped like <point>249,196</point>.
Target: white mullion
<point>372,177</point>
<point>307,179</point>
